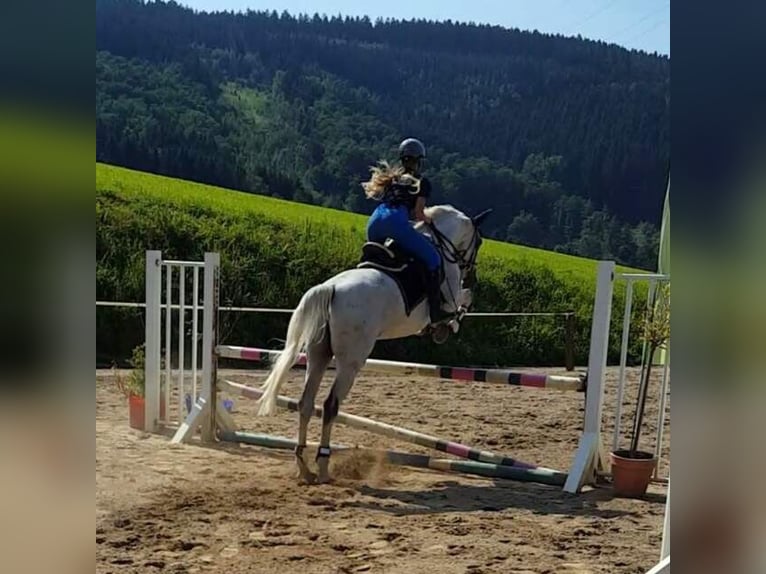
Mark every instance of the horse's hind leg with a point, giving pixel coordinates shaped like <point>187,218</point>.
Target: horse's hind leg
<point>318,357</point>
<point>344,380</point>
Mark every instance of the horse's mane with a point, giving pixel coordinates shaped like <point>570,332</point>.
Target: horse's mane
<point>437,212</point>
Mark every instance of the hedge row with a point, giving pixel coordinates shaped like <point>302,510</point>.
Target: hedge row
<point>269,261</point>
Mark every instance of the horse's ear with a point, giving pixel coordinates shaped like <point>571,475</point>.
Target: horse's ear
<point>479,219</point>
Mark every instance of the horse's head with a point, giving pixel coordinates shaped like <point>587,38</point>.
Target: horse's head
<point>459,238</point>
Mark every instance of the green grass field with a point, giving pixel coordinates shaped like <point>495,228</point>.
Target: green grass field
<point>131,183</point>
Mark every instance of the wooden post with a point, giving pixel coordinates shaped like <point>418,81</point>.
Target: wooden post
<point>569,335</point>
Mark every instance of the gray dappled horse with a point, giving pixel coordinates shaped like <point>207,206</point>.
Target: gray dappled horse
<point>348,313</point>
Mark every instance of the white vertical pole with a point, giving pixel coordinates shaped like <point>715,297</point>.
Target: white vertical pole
<point>195,332</point>
<point>181,336</point>
<point>666,528</point>
<point>661,417</point>
<point>589,455</point>
<point>623,362</point>
<point>209,332</point>
<point>152,339</point>
<point>168,336</point>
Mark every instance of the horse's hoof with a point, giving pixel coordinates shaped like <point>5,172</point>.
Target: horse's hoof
<point>308,479</point>
<point>440,333</point>
<point>305,476</point>
<point>323,474</point>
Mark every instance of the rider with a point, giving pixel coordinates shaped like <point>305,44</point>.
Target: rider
<point>402,192</point>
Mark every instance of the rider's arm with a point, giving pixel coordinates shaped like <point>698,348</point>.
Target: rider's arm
<point>423,195</point>
<point>420,205</point>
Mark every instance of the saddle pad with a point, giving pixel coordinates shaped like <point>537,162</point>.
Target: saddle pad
<point>408,273</point>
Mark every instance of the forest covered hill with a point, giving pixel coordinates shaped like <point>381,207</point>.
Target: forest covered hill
<point>568,139</point>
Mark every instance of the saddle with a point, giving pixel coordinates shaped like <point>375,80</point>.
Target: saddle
<point>407,271</point>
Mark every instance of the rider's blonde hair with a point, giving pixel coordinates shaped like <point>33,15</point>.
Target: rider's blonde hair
<point>383,175</point>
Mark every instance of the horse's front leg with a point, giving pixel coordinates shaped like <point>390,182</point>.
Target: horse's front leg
<point>465,298</point>
<point>464,302</point>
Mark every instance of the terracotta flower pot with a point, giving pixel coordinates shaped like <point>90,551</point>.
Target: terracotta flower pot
<point>136,405</point>
<point>631,472</point>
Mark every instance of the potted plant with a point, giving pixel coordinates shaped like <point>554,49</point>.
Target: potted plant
<point>133,389</point>
<point>632,468</point>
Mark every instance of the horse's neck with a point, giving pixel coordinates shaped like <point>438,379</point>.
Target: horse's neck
<point>448,226</point>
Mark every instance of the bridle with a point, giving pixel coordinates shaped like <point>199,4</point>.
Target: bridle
<point>464,258</point>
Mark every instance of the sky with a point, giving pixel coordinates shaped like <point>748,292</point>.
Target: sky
<point>639,24</point>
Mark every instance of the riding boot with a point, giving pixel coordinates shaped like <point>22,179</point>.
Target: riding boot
<point>433,290</point>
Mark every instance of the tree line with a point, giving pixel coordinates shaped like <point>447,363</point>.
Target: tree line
<point>568,139</point>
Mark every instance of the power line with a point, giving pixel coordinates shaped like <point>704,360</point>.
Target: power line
<point>593,14</point>
<point>640,20</point>
<point>645,32</point>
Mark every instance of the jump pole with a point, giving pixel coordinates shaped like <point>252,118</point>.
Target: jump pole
<point>398,458</point>
<point>394,432</point>
<point>502,376</point>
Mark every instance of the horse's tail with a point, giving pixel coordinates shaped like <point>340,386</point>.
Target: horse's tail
<point>306,326</point>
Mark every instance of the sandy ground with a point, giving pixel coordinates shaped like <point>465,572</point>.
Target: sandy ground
<point>233,509</point>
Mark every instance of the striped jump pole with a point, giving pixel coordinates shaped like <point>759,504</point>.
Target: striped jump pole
<point>542,476</point>
<point>503,376</point>
<point>394,432</point>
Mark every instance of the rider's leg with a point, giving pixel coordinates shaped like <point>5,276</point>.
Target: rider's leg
<point>433,291</point>
<point>423,249</point>
<point>388,222</point>
<point>379,226</point>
